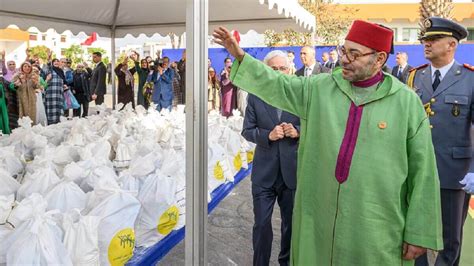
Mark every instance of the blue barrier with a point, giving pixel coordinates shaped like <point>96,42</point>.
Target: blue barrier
<point>153,254</point>
<point>464,54</point>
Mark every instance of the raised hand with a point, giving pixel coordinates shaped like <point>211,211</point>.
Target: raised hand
<point>223,37</point>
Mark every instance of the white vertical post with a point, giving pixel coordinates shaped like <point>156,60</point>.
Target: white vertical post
<point>112,66</point>
<point>196,132</point>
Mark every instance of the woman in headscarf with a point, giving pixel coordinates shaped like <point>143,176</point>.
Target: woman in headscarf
<point>142,69</point>
<point>228,92</point>
<point>55,92</point>
<point>27,84</point>
<point>213,90</point>
<point>125,82</point>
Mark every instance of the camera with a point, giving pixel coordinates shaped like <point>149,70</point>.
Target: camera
<point>159,62</point>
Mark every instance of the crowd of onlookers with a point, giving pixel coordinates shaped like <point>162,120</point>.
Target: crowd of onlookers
<point>46,92</point>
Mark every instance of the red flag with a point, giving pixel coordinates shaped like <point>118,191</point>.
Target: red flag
<point>237,36</point>
<point>91,39</point>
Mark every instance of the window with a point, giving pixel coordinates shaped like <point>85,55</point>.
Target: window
<point>44,37</point>
<point>63,51</point>
<point>470,36</point>
<point>33,37</point>
<point>395,34</point>
<point>409,34</point>
<point>63,38</point>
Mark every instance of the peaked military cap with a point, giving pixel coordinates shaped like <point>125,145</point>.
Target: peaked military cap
<point>441,27</point>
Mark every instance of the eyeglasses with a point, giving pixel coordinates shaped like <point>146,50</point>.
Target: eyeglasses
<point>282,68</point>
<point>11,64</point>
<point>351,56</point>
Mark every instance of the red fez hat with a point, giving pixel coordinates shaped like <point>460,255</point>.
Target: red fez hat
<point>371,35</point>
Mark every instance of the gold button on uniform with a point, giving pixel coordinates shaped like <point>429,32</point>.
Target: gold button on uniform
<point>382,124</point>
<point>432,113</point>
<point>433,100</point>
<point>431,126</point>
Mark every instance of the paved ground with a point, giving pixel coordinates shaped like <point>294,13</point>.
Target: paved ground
<point>230,232</point>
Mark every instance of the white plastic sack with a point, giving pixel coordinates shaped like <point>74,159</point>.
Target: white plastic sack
<point>216,175</point>
<point>40,182</point>
<point>10,162</point>
<point>126,150</point>
<point>65,196</point>
<point>81,238</point>
<point>40,111</point>
<point>6,206</point>
<point>118,211</point>
<point>8,185</point>
<point>103,174</point>
<point>159,213</point>
<point>37,242</point>
<point>27,208</point>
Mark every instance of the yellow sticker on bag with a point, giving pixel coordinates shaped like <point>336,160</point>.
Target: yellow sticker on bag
<point>218,172</point>
<point>249,156</point>
<point>121,247</point>
<point>237,162</point>
<point>168,220</point>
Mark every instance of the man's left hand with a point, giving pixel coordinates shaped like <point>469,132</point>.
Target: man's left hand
<point>411,252</point>
<point>290,131</point>
<point>468,183</point>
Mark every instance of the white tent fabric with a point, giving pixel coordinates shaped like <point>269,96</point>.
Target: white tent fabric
<point>151,16</point>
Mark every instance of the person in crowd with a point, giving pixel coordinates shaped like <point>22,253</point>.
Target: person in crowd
<point>8,70</point>
<point>325,60</point>
<point>403,68</point>
<point>177,97</point>
<point>27,84</point>
<point>142,69</point>
<point>149,59</point>
<point>334,59</point>
<point>228,91</point>
<point>109,73</point>
<point>81,90</point>
<point>209,63</point>
<point>276,134</point>
<point>125,82</point>
<point>310,65</point>
<point>446,88</point>
<point>227,60</point>
<point>54,96</point>
<point>98,87</point>
<point>4,121</point>
<point>291,57</point>
<point>68,71</point>
<point>87,68</point>
<point>355,202</point>
<point>162,78</point>
<point>182,74</point>
<point>213,91</point>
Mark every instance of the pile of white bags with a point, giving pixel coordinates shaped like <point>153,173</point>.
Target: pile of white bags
<point>88,191</point>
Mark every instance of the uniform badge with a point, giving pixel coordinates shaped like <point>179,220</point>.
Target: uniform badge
<point>455,111</point>
<point>427,23</point>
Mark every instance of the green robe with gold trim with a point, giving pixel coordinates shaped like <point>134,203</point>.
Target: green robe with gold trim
<point>4,126</point>
<point>391,194</point>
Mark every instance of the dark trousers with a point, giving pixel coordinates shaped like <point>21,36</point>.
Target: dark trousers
<point>454,207</point>
<point>263,202</point>
<point>99,100</point>
<point>84,108</point>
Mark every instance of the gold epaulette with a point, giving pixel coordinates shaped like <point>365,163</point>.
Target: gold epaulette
<point>411,76</point>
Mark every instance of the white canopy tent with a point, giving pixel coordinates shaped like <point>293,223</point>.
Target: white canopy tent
<point>117,18</point>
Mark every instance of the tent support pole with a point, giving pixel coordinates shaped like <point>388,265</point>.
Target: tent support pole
<point>112,66</point>
<point>196,132</point>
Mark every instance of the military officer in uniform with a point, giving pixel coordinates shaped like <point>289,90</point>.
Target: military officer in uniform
<point>446,89</point>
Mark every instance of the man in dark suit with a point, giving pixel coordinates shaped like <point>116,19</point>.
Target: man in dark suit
<point>402,69</point>
<point>98,86</point>
<point>276,134</point>
<point>310,65</point>
<point>334,59</point>
<point>325,60</point>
